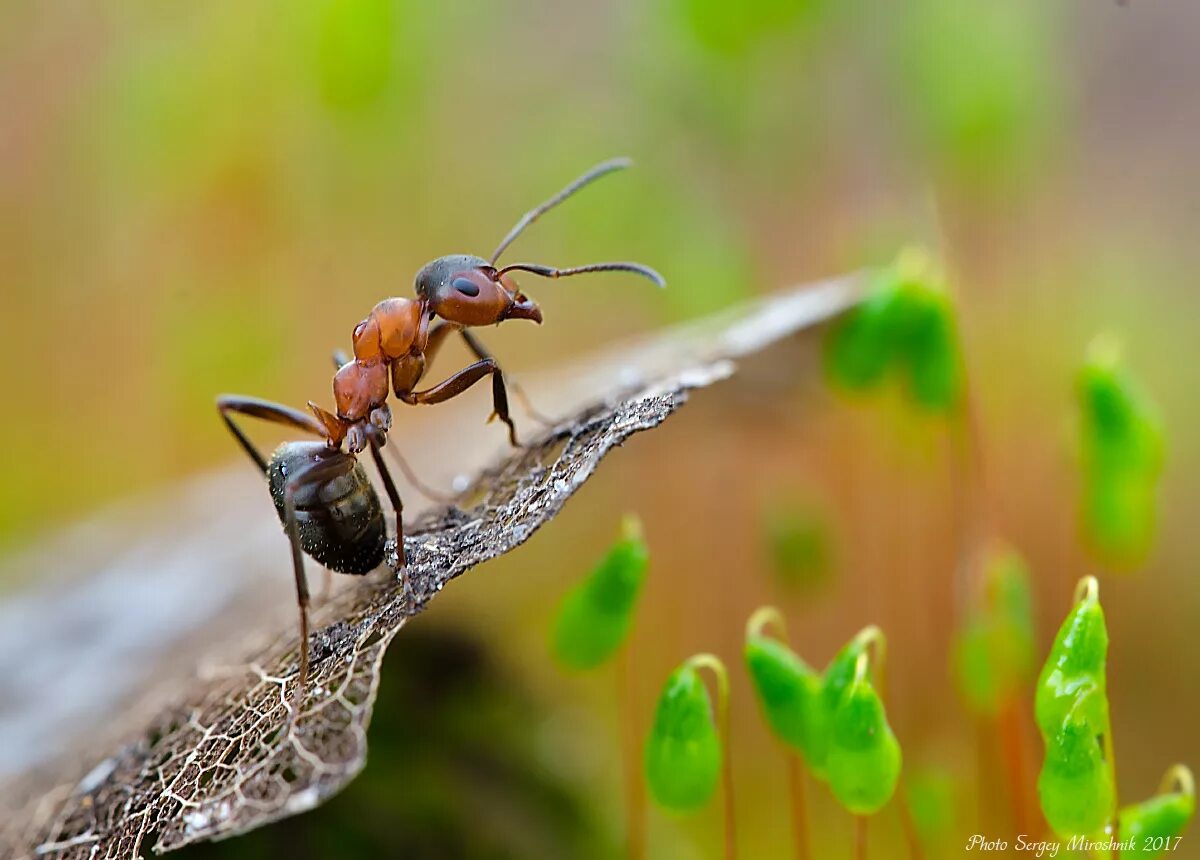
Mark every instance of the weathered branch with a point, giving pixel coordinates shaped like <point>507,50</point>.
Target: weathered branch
<point>222,757</point>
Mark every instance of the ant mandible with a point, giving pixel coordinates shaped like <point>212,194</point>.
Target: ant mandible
<point>322,495</point>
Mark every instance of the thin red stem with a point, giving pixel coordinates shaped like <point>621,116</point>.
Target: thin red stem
<point>915,852</point>
<point>799,806</point>
<point>1012,741</point>
<point>727,789</point>
<point>635,807</point>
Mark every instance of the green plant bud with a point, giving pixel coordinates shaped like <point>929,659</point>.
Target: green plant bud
<point>994,651</point>
<point>975,668</point>
<point>860,347</point>
<point>1071,709</point>
<point>839,674</point>
<point>907,324</point>
<point>1121,427</point>
<point>1153,824</point>
<point>981,91</point>
<point>931,356</point>
<point>1075,785</point>
<point>789,694</point>
<point>1074,673</point>
<point>864,755</point>
<point>798,541</point>
<point>683,751</point>
<point>596,614</point>
<point>835,681</point>
<point>1011,598</point>
<point>1122,452</point>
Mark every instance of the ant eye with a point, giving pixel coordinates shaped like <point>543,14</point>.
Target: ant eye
<point>466,287</point>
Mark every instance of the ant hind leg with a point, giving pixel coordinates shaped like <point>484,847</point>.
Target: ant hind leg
<point>235,404</point>
<point>302,599</point>
<point>230,405</point>
<point>314,474</point>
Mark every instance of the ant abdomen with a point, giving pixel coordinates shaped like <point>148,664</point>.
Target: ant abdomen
<point>339,518</point>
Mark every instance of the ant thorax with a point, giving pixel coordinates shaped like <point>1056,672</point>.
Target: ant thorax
<point>391,331</point>
<point>395,330</point>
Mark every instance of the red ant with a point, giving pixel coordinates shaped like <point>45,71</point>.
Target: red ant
<point>322,495</point>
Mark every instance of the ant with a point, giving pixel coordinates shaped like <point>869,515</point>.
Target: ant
<point>326,502</point>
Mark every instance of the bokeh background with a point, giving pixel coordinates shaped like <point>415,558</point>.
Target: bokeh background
<point>207,197</point>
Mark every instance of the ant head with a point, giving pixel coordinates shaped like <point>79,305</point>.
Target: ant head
<point>469,291</point>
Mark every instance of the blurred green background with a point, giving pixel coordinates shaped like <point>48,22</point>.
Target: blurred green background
<point>207,197</point>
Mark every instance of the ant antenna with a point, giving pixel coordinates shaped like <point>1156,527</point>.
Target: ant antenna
<point>601,169</point>
<point>552,272</point>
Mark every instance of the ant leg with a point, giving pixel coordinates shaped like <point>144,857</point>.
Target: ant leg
<point>397,505</point>
<point>228,405</point>
<point>267,411</point>
<point>302,597</point>
<point>315,474</point>
<point>481,352</point>
<point>437,336</point>
<point>464,379</point>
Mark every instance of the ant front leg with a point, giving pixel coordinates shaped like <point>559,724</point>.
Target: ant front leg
<point>464,379</point>
<point>442,330</point>
<point>481,352</point>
